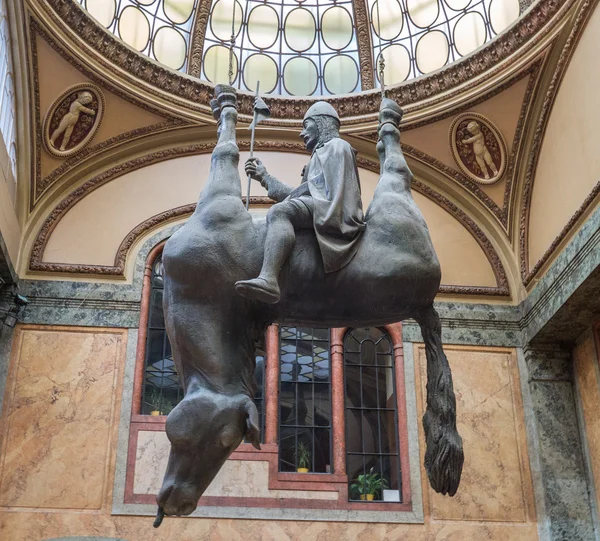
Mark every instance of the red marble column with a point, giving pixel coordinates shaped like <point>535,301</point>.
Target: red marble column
<point>140,354</point>
<point>271,391</point>
<point>338,419</point>
<point>395,332</point>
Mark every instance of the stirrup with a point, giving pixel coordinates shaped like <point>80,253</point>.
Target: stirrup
<point>258,289</point>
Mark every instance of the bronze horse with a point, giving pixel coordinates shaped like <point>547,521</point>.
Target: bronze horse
<point>213,331</point>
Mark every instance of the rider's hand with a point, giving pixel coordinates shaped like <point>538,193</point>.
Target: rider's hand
<point>255,168</point>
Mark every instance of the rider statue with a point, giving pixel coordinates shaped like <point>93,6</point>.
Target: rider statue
<point>328,201</point>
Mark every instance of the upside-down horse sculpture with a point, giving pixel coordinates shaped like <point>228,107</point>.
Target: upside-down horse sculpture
<point>346,271</point>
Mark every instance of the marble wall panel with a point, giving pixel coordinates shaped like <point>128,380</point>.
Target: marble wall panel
<point>237,478</point>
<point>496,483</point>
<point>585,361</point>
<point>58,422</point>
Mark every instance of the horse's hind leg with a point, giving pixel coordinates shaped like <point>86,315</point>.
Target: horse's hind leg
<point>394,168</point>
<point>444,453</point>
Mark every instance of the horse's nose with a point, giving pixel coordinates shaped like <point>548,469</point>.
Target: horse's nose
<point>177,501</point>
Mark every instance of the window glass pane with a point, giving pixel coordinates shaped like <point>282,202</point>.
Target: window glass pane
<point>503,13</point>
<point>178,11</point>
<point>421,36</point>
<point>304,400</point>
<point>102,10</point>
<point>134,28</point>
<point>263,26</point>
<point>7,95</point>
<point>161,29</point>
<point>372,460</point>
<point>170,47</point>
<point>469,33</point>
<point>423,12</point>
<point>336,26</point>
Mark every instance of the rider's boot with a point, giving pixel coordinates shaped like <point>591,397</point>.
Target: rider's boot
<point>261,289</point>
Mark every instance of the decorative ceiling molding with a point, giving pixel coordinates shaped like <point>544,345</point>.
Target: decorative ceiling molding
<point>583,15</point>
<point>183,90</point>
<point>534,72</point>
<point>363,37</point>
<point>40,185</point>
<point>37,264</point>
<point>198,34</point>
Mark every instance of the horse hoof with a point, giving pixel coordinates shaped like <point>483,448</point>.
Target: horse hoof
<point>444,462</point>
<point>226,96</point>
<point>390,112</point>
<point>258,289</point>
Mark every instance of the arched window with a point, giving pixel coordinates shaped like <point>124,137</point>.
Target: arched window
<point>162,390</point>
<point>373,458</point>
<point>304,400</point>
<point>331,406</point>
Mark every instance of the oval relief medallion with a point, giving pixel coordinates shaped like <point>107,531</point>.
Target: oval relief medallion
<point>73,120</point>
<point>478,148</point>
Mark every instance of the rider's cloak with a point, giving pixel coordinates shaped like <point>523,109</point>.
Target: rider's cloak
<point>332,178</point>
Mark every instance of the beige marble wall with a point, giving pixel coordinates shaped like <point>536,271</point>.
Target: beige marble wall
<point>585,361</point>
<point>496,482</point>
<point>29,526</point>
<point>59,445</point>
<point>58,424</point>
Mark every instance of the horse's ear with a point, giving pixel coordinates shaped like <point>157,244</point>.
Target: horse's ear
<point>252,429</point>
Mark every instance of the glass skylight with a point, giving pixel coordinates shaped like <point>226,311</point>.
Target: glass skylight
<point>306,47</point>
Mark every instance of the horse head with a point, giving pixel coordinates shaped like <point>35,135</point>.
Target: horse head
<point>204,429</point>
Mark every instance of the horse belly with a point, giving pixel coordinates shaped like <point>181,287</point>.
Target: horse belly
<point>208,255</point>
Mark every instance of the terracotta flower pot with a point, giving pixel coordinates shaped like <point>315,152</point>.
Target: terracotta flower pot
<point>302,470</point>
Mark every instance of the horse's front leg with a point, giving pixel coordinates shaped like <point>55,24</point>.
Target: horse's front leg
<point>444,452</point>
<point>224,178</point>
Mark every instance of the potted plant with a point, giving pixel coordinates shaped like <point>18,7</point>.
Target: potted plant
<point>161,405</point>
<point>368,485</point>
<point>303,457</point>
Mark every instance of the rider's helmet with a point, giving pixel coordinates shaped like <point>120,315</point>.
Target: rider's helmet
<point>321,108</point>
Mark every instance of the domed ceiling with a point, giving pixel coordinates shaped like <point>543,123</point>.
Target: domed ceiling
<point>305,48</point>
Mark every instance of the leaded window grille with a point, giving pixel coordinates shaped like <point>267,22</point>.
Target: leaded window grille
<point>293,48</point>
<point>304,400</point>
<point>417,37</point>
<point>307,47</point>
<point>160,29</point>
<point>162,390</point>
<point>372,446</point>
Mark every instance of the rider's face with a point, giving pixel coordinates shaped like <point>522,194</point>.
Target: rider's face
<point>310,133</point>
